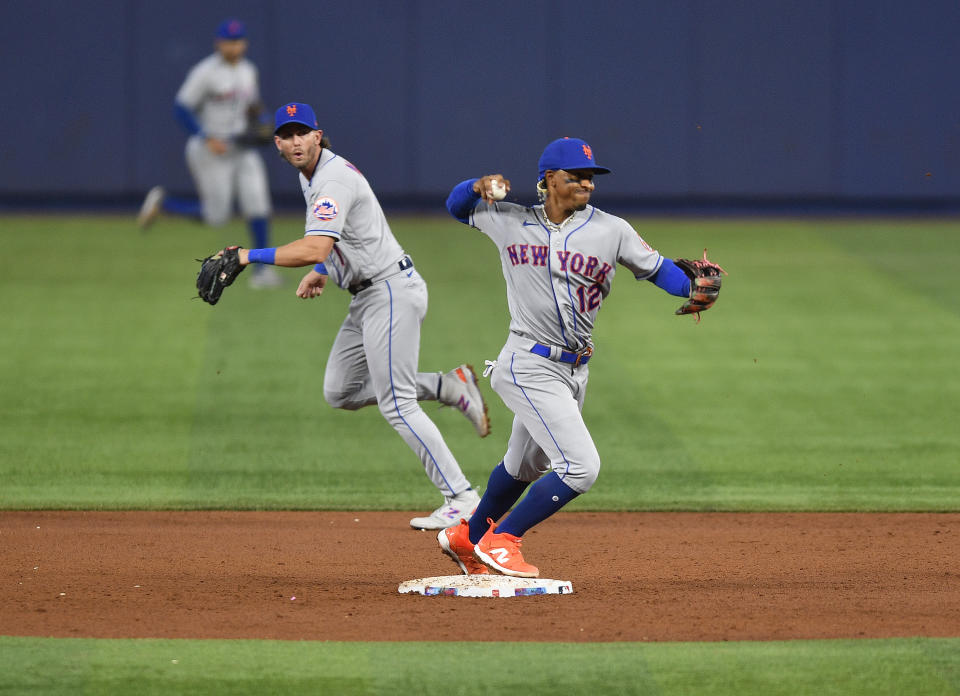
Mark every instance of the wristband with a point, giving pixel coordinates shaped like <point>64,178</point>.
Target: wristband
<point>263,255</point>
<point>320,268</point>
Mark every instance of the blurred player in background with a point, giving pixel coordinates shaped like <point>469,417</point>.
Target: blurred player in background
<point>219,106</point>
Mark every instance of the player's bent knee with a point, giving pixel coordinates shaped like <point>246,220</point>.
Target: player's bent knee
<point>396,410</point>
<point>590,479</point>
<point>341,399</point>
<point>582,476</point>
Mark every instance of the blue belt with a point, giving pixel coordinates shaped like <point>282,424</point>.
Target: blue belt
<point>565,355</point>
<point>406,263</point>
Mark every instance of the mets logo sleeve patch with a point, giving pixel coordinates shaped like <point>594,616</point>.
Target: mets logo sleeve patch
<point>325,209</point>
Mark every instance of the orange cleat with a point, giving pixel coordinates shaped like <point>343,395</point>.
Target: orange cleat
<point>502,553</point>
<point>455,542</point>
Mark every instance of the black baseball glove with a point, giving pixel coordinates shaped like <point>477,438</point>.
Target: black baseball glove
<point>704,278</point>
<point>257,132</point>
<point>217,272</point>
<point>255,135</point>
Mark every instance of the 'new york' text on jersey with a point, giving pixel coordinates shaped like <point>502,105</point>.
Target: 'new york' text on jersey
<point>569,267</point>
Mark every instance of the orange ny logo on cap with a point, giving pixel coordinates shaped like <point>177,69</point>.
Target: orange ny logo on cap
<point>587,151</point>
<point>291,109</point>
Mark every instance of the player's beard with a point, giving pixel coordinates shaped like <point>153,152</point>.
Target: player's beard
<point>310,156</point>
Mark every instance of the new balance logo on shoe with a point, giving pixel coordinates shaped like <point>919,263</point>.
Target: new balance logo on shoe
<point>459,388</point>
<point>501,554</point>
<point>452,509</point>
<point>501,551</point>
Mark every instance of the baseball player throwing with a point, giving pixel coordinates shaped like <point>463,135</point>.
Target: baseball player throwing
<point>219,107</point>
<point>558,259</point>
<point>374,356</point>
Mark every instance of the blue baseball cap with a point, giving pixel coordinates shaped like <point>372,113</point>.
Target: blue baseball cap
<point>231,29</point>
<point>295,112</point>
<point>567,154</point>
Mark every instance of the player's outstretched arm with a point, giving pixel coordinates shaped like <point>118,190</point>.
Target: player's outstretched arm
<point>305,251</point>
<point>671,278</point>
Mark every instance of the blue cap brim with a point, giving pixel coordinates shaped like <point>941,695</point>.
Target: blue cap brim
<point>311,126</point>
<point>595,170</point>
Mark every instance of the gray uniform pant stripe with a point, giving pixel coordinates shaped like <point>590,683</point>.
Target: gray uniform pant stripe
<point>374,360</point>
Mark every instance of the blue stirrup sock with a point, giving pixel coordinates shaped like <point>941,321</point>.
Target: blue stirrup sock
<point>545,497</point>
<point>188,207</point>
<point>259,232</point>
<point>502,492</point>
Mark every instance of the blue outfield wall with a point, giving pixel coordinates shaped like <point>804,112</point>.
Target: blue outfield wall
<point>741,100</point>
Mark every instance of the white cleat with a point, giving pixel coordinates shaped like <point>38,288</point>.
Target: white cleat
<point>454,509</point>
<point>459,388</point>
<point>150,209</point>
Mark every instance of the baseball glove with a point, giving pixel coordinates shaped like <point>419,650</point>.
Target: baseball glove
<point>217,272</point>
<point>257,132</point>
<point>704,278</point>
<point>255,135</point>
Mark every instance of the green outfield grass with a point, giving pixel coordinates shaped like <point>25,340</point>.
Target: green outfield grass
<point>848,668</point>
<point>824,379</point>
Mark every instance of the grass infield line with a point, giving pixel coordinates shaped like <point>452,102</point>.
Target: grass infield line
<point>851,668</point>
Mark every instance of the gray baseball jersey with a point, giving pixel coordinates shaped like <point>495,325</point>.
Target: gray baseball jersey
<point>375,356</point>
<point>557,278</point>
<point>341,204</point>
<point>219,94</point>
<point>558,275</point>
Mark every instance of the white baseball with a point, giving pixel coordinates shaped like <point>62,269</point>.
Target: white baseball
<point>497,190</point>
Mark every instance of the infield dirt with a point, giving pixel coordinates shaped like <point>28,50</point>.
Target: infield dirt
<point>334,576</point>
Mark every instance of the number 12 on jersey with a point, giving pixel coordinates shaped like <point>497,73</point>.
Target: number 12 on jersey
<point>589,297</point>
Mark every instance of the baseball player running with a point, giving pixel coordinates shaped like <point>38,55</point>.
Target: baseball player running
<point>374,356</point>
<point>558,259</point>
<point>218,105</point>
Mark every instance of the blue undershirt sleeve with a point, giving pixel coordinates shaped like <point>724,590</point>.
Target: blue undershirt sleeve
<point>186,118</point>
<point>671,279</point>
<point>462,200</point>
